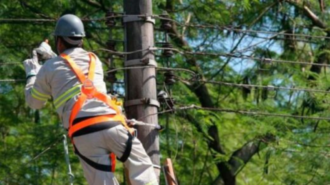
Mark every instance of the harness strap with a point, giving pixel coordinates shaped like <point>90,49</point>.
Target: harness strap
<point>128,148</point>
<point>80,75</point>
<point>93,92</point>
<point>93,121</point>
<point>89,91</point>
<point>76,108</point>
<point>112,157</point>
<point>101,167</point>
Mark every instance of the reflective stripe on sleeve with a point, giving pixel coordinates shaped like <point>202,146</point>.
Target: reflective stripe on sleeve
<point>66,96</point>
<point>39,96</point>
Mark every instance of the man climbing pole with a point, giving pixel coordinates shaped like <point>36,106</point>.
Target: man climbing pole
<point>98,130</point>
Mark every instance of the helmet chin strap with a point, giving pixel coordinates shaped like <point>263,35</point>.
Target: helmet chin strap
<point>58,52</point>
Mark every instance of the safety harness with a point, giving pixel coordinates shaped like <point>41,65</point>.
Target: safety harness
<point>78,126</point>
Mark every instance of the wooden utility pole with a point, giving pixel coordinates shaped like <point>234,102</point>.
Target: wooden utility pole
<point>141,94</point>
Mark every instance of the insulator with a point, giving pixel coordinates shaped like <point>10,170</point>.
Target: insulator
<point>111,76</point>
<point>169,78</point>
<point>166,26</point>
<point>165,22</point>
<point>167,52</point>
<point>110,21</point>
<point>111,45</point>
<point>170,104</point>
<point>166,101</point>
<point>161,96</point>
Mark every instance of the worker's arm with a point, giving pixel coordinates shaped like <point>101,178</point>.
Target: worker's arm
<point>37,89</point>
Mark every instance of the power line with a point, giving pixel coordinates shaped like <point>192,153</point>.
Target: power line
<point>199,26</point>
<point>8,20</point>
<point>270,60</point>
<point>125,53</point>
<point>253,113</point>
<point>209,26</point>
<point>13,20</point>
<point>269,87</point>
<point>10,63</point>
<point>198,53</point>
<point>279,38</point>
<point>263,59</point>
<point>12,80</point>
<point>158,68</point>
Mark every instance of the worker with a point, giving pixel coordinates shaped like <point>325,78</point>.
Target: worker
<point>98,131</point>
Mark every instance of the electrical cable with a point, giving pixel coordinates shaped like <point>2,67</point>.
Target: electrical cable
<point>197,53</point>
<point>10,63</point>
<point>198,26</point>
<point>124,53</point>
<point>12,80</point>
<point>209,26</point>
<point>158,68</point>
<point>8,20</point>
<point>244,112</point>
<point>269,87</point>
<point>265,60</point>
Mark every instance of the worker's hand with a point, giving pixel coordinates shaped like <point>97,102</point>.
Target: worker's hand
<point>45,51</point>
<point>32,65</point>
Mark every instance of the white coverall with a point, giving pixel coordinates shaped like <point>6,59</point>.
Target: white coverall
<point>53,80</point>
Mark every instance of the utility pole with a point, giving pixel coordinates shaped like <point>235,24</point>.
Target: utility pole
<point>141,94</point>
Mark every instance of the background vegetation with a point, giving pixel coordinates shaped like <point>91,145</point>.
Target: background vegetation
<point>272,130</point>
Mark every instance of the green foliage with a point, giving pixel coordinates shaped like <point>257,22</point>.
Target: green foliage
<point>290,150</point>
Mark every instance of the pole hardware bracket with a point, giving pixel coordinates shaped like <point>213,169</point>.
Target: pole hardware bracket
<point>139,62</point>
<point>134,18</point>
<point>143,101</point>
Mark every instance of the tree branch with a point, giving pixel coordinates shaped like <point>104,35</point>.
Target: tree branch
<point>315,19</point>
<point>196,123</point>
<point>198,88</point>
<point>227,169</point>
<point>215,144</point>
<point>243,155</point>
<point>95,4</point>
<point>324,57</point>
<point>34,10</point>
<point>309,13</point>
<point>225,174</point>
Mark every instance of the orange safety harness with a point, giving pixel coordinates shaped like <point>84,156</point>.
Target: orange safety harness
<point>89,91</point>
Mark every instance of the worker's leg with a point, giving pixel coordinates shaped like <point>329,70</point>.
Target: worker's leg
<point>90,146</point>
<point>139,165</point>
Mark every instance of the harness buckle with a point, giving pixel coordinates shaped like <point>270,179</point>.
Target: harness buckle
<point>88,88</point>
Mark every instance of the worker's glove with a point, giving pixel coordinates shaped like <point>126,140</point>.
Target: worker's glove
<point>45,51</point>
<point>32,65</point>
